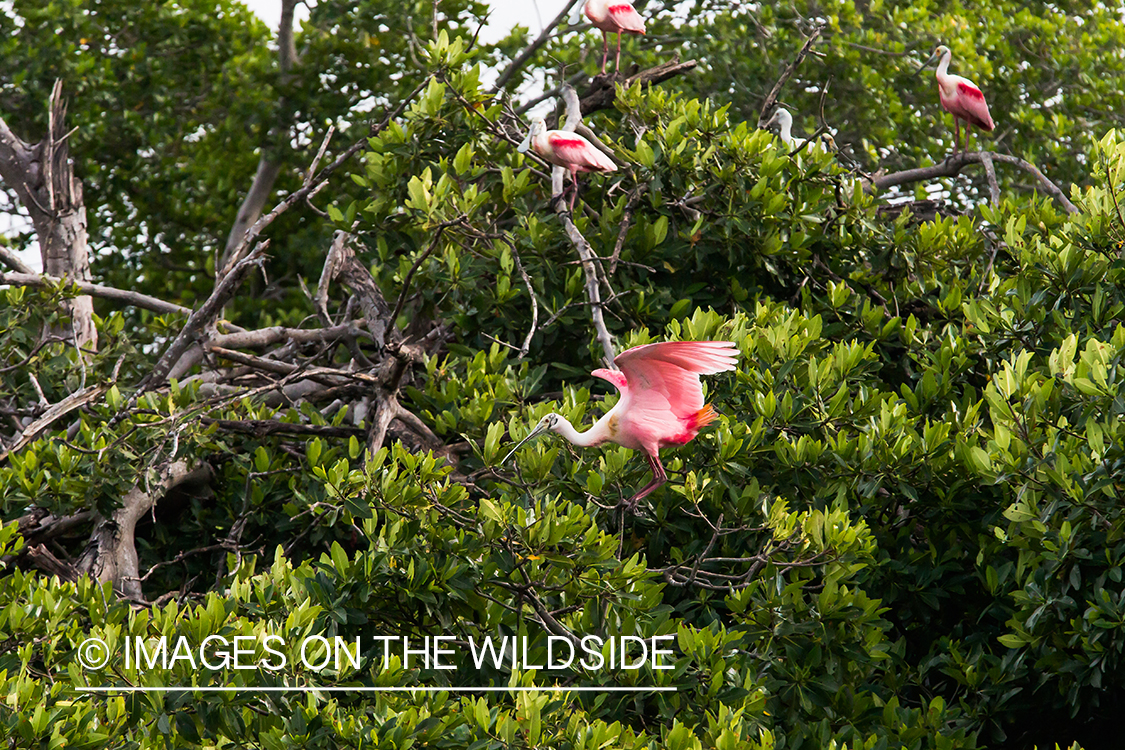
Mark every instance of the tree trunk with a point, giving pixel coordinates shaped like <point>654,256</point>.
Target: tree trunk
<point>43,177</point>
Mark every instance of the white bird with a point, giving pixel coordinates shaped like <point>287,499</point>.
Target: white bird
<point>784,121</point>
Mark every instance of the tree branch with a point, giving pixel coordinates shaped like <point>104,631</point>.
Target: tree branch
<point>269,166</point>
<point>111,554</point>
<point>603,89</point>
<point>581,246</point>
<point>43,178</point>
<point>771,98</point>
<point>312,186</point>
<point>136,299</point>
<point>12,261</point>
<point>204,315</point>
<point>953,165</point>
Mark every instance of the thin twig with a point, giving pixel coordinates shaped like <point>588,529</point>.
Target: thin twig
<point>771,98</point>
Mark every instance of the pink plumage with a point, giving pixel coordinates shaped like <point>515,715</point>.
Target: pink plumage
<point>961,98</point>
<point>572,151</point>
<point>661,401</point>
<point>565,149</point>
<point>613,16</point>
<point>968,104</point>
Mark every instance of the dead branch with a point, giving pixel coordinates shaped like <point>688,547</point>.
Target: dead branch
<point>38,556</point>
<point>771,98</point>
<point>341,263</point>
<point>318,182</point>
<point>953,165</point>
<point>201,317</point>
<point>136,299</point>
<point>43,178</point>
<point>581,246</point>
<point>603,89</point>
<point>990,172</point>
<point>269,166</point>
<point>76,400</point>
<point>626,220</point>
<point>12,261</point>
<point>526,346</point>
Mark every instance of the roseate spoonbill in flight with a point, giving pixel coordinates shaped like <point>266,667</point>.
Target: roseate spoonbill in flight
<point>566,149</point>
<point>960,97</point>
<point>784,122</point>
<point>661,402</point>
<point>611,16</point>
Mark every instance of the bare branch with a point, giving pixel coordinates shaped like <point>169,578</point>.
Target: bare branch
<point>771,98</point>
<point>43,178</point>
<point>203,316</point>
<point>269,166</point>
<point>57,411</point>
<point>526,346</point>
<point>990,172</point>
<point>626,219</point>
<point>136,299</point>
<point>12,261</point>
<point>311,187</point>
<point>341,263</point>
<point>952,167</point>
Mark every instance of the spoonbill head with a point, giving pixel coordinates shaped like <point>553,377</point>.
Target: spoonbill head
<point>784,122</point>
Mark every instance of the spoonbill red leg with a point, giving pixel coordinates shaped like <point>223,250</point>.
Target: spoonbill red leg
<point>658,478</point>
<point>605,48</point>
<point>957,135</point>
<point>619,52</point>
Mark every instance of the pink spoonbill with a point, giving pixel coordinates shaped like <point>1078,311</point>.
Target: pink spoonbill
<point>960,97</point>
<point>565,149</point>
<point>661,401</point>
<point>611,16</point>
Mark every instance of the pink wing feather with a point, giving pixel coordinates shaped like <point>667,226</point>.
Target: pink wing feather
<point>662,397</point>
<point>573,149</point>
<point>626,18</point>
<point>970,100</point>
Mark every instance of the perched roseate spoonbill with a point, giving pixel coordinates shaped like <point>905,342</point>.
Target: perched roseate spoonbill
<point>960,97</point>
<point>661,401</point>
<point>566,149</point>
<point>611,16</point>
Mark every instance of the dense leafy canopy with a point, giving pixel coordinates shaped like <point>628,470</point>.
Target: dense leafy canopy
<point>906,529</point>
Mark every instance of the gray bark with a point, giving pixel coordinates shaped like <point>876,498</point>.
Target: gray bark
<point>42,175</point>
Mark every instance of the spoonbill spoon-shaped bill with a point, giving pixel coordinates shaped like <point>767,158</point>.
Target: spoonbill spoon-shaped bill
<point>565,149</point>
<point>661,402</point>
<point>613,16</point>
<point>960,97</point>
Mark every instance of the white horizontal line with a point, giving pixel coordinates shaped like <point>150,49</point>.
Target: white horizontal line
<point>426,689</point>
